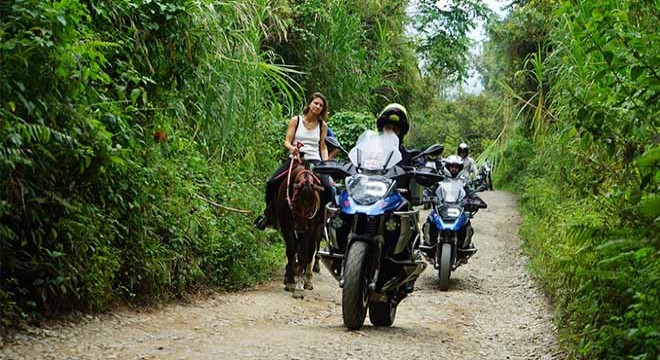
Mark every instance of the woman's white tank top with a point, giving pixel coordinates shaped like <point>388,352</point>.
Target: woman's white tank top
<point>310,140</point>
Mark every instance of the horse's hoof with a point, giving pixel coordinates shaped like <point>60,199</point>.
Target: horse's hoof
<point>316,268</point>
<point>290,287</point>
<point>298,294</point>
<point>309,286</point>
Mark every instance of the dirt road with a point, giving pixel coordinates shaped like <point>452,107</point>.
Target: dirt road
<point>493,310</point>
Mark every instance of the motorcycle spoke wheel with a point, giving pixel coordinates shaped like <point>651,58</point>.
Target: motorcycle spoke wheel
<point>444,272</point>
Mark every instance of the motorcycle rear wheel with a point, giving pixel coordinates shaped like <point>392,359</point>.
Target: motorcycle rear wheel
<point>355,294</point>
<point>444,271</point>
<point>382,313</point>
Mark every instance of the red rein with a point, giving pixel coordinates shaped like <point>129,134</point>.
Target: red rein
<point>302,178</point>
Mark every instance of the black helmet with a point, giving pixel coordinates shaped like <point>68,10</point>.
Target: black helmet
<point>463,150</point>
<point>394,114</point>
<point>454,160</point>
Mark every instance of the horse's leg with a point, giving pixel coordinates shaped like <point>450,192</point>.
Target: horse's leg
<point>299,292</point>
<point>309,285</point>
<point>300,266</point>
<point>317,259</point>
<point>311,248</point>
<point>289,276</point>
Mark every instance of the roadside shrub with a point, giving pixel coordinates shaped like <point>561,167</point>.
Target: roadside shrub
<point>349,125</point>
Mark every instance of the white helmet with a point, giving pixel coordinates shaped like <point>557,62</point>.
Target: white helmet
<point>455,162</point>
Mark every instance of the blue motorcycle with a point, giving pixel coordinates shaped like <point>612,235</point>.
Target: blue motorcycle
<point>448,230</point>
<point>372,230</point>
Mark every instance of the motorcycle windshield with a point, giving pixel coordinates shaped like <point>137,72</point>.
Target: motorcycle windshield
<point>450,191</point>
<point>375,151</point>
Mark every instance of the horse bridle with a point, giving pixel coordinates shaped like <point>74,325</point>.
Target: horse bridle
<point>301,179</point>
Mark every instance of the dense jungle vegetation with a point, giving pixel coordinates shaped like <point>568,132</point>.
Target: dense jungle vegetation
<point>582,148</point>
<point>137,136</point>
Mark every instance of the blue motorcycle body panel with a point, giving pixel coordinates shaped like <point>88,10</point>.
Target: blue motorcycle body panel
<point>453,224</point>
<point>380,207</point>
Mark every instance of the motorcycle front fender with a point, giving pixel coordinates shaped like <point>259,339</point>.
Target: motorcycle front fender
<point>447,237</point>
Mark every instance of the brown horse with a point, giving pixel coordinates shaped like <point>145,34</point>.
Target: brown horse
<point>299,215</point>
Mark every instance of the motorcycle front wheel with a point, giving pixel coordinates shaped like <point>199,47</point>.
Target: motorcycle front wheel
<point>382,313</point>
<point>355,294</point>
<point>444,270</point>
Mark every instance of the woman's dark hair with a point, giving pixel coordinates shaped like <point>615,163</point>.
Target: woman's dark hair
<point>324,113</point>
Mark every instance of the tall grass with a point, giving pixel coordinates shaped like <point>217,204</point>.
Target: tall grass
<point>587,170</point>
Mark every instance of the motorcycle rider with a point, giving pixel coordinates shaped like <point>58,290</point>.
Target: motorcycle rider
<point>455,167</point>
<point>469,166</point>
<point>394,118</point>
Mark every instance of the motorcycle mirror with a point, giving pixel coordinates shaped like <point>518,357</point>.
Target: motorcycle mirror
<point>338,170</point>
<point>435,149</point>
<point>426,178</point>
<point>334,143</point>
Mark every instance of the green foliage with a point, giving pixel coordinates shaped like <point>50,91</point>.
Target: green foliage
<point>355,53</point>
<point>349,125</point>
<point>511,171</point>
<point>603,274</point>
<point>442,29</point>
<point>515,38</point>
<point>472,119</point>
<point>585,158</point>
<point>123,144</point>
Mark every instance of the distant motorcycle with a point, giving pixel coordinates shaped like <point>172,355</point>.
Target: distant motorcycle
<point>484,176</point>
<point>448,230</point>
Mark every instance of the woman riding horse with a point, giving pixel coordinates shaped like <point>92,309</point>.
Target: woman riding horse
<point>299,204</point>
<point>308,129</point>
<point>299,215</point>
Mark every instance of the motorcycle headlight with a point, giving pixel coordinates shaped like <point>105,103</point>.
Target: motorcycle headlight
<point>365,190</point>
<point>450,212</point>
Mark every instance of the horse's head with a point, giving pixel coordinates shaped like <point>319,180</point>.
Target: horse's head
<point>305,197</point>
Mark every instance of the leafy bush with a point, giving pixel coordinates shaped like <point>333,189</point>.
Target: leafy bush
<point>472,119</point>
<point>122,151</point>
<point>349,125</point>
<point>511,172</point>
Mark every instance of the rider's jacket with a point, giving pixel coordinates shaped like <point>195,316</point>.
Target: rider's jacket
<point>406,157</point>
<point>469,169</point>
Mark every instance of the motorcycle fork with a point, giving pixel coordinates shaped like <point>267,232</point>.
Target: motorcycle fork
<point>373,259</point>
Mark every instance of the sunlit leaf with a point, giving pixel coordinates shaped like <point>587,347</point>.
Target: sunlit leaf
<point>650,207</point>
